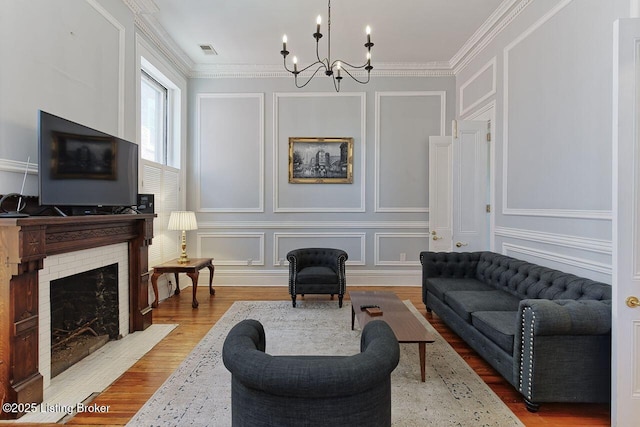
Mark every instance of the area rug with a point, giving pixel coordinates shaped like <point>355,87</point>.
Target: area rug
<point>198,393</point>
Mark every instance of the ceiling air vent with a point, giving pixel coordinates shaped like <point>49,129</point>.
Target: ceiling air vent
<point>207,49</point>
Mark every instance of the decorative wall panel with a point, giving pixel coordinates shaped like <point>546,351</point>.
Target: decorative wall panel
<point>352,243</point>
<point>232,248</point>
<point>318,115</point>
<point>400,249</point>
<point>229,152</point>
<point>545,85</point>
<point>480,87</point>
<point>404,123</point>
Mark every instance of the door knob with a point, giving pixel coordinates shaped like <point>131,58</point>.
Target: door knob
<point>436,237</point>
<point>461,244</point>
<point>633,302</point>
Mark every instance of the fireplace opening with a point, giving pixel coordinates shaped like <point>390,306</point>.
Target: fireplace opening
<point>84,315</point>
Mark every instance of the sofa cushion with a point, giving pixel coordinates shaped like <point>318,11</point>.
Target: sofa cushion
<point>466,302</point>
<point>498,326</point>
<point>439,286</point>
<point>317,275</point>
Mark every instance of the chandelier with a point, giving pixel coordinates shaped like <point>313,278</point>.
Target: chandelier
<point>333,69</point>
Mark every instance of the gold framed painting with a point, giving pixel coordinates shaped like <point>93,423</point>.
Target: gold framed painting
<point>320,160</point>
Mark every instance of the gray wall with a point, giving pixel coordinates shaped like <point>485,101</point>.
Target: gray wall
<point>250,216</point>
<point>549,75</point>
<point>73,59</point>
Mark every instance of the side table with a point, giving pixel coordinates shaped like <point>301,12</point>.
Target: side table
<point>191,268</point>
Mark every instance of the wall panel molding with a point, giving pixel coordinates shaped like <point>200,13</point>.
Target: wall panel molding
<point>491,65</point>
<point>506,210</point>
<point>280,277</point>
<point>319,237</point>
<point>442,95</point>
<point>201,162</point>
<point>576,262</point>
<point>278,168</point>
<point>308,225</point>
<point>380,237</point>
<point>121,61</point>
<point>259,237</point>
<point>598,246</point>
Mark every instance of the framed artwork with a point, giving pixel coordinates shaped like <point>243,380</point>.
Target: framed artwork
<point>320,160</point>
<point>83,157</point>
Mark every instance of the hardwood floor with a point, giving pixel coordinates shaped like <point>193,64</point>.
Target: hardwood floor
<point>126,395</point>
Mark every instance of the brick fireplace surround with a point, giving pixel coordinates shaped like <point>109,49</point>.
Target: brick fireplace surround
<point>24,244</point>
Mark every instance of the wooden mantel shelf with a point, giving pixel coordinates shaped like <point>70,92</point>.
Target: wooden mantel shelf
<point>24,243</point>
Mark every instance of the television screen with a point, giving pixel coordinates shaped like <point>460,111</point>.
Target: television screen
<point>80,166</point>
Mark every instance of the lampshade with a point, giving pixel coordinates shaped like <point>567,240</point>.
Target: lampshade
<point>182,220</point>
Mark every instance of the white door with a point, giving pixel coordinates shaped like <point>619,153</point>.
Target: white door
<point>470,181</point>
<point>625,405</point>
<point>440,194</point>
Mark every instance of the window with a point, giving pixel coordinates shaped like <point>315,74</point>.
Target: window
<point>154,100</point>
<point>161,135</point>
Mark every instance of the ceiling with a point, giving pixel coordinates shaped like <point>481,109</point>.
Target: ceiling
<point>247,34</point>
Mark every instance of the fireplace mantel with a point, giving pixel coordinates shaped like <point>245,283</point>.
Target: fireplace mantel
<point>24,243</point>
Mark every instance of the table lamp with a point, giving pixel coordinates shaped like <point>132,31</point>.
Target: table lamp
<point>183,221</point>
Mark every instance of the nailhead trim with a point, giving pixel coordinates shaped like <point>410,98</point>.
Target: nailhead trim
<point>522,352</point>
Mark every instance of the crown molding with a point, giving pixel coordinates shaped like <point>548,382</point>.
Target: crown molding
<point>489,30</point>
<point>145,12</point>
<point>433,69</point>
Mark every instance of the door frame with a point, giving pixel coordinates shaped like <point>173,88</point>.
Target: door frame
<point>488,112</point>
<point>625,328</point>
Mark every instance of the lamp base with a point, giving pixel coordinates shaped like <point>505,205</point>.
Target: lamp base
<point>183,260</point>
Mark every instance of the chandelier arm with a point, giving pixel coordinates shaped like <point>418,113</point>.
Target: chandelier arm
<point>285,65</point>
<point>343,63</point>
<point>322,65</point>
<point>309,79</point>
<point>362,82</point>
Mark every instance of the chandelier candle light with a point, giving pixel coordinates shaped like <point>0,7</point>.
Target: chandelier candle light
<point>331,68</point>
<point>183,221</point>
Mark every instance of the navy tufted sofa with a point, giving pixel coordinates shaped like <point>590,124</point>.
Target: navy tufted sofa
<point>310,391</point>
<point>547,332</point>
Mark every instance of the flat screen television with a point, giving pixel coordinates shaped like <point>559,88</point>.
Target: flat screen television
<point>83,167</point>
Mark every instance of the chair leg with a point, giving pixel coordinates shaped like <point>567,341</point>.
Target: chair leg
<point>331,296</point>
<point>531,407</point>
<point>340,301</point>
<point>293,300</point>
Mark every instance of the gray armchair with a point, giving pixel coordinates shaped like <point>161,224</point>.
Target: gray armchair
<point>310,390</point>
<point>317,271</point>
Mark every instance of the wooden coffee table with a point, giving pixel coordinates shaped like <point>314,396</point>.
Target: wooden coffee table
<point>403,322</point>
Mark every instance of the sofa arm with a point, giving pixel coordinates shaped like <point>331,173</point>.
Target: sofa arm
<point>566,317</point>
<point>310,376</point>
<point>562,351</point>
<point>449,264</point>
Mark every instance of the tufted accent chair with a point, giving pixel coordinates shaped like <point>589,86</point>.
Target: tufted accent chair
<point>310,391</point>
<point>317,271</point>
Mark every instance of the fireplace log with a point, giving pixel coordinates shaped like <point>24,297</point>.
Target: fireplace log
<point>69,335</point>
